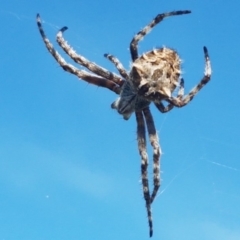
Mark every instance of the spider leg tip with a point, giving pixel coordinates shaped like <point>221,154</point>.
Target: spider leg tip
<point>183,12</point>
<point>63,29</point>
<point>182,82</point>
<point>205,52</point>
<point>38,17</point>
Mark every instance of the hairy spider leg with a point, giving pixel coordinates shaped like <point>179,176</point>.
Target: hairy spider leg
<point>170,106</point>
<point>93,67</point>
<point>153,137</point>
<point>98,81</point>
<point>206,78</point>
<point>141,138</point>
<point>140,35</point>
<point>118,65</point>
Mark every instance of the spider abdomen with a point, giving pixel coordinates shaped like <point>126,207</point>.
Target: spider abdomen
<point>155,74</point>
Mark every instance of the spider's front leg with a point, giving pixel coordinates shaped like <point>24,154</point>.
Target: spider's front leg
<point>206,78</point>
<point>153,137</point>
<point>141,137</point>
<point>93,67</point>
<point>86,76</point>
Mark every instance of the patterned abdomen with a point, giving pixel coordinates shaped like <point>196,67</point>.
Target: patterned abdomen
<point>155,74</point>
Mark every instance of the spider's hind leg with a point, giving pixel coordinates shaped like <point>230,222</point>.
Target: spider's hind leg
<point>140,35</point>
<point>141,137</point>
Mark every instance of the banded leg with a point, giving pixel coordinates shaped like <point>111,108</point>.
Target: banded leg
<point>164,109</point>
<point>93,67</point>
<point>206,78</point>
<point>156,150</point>
<point>140,35</point>
<point>181,89</point>
<point>118,65</point>
<point>98,81</point>
<point>141,137</point>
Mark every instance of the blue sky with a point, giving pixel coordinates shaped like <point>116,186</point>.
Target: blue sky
<point>69,164</point>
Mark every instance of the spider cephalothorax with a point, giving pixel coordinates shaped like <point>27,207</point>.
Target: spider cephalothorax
<point>153,78</point>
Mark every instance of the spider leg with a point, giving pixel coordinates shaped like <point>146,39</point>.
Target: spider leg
<point>170,106</point>
<point>93,67</point>
<point>156,150</point>
<point>140,35</point>
<point>163,109</point>
<point>118,65</point>
<point>181,89</point>
<point>206,78</point>
<point>141,137</point>
<point>98,81</point>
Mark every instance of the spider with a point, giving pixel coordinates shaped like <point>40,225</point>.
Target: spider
<point>153,77</point>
